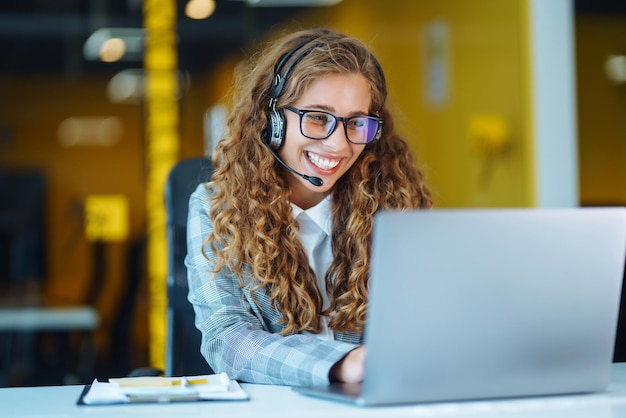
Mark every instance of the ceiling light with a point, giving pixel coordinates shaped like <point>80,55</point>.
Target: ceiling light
<point>111,42</point>
<point>112,50</point>
<point>199,9</point>
<point>127,86</point>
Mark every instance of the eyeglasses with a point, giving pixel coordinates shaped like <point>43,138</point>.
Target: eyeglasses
<point>317,124</point>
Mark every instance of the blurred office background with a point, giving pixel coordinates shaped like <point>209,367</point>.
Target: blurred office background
<point>506,103</point>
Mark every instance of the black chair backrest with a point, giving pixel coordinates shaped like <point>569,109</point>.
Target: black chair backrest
<point>183,356</point>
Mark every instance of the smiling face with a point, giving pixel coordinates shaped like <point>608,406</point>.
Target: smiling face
<point>343,95</point>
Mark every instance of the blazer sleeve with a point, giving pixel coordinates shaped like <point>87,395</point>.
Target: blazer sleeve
<point>240,334</point>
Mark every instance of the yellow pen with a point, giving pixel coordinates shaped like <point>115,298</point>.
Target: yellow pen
<point>196,381</point>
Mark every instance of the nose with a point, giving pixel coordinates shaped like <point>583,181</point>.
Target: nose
<point>338,140</point>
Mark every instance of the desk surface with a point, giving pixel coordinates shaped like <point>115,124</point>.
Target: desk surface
<point>280,401</point>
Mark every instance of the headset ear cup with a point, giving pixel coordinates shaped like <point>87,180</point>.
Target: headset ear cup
<point>276,129</point>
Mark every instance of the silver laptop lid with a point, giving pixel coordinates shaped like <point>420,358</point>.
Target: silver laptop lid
<point>471,304</point>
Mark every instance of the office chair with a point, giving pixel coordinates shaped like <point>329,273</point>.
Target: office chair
<point>183,357</point>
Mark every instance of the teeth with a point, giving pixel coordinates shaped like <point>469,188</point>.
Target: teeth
<point>323,163</point>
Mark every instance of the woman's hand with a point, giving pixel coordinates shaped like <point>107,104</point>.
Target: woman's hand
<point>351,368</point>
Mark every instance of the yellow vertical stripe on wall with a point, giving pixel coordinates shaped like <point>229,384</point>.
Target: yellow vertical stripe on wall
<point>160,61</point>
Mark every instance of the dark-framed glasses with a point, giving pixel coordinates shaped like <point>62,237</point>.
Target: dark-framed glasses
<point>317,124</point>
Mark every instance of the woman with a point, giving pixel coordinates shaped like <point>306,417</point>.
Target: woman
<point>279,240</point>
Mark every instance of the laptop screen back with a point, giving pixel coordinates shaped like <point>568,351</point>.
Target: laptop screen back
<point>471,304</point>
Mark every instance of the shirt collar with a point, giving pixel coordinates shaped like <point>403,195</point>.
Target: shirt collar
<point>320,214</point>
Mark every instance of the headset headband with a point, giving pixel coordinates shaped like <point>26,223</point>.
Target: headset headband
<point>279,80</point>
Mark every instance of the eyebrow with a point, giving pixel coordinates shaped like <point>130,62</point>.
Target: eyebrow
<point>331,109</point>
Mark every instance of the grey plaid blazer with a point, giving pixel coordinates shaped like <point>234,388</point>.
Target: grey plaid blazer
<point>240,335</point>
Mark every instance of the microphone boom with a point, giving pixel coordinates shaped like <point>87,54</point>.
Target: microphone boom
<point>315,181</point>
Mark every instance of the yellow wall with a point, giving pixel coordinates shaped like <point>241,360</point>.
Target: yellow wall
<point>602,111</point>
<point>486,77</point>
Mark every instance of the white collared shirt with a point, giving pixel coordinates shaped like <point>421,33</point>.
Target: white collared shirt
<point>315,230</point>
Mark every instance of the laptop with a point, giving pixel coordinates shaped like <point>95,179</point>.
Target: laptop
<point>485,304</point>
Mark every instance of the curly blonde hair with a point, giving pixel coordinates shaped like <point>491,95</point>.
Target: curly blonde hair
<point>255,237</point>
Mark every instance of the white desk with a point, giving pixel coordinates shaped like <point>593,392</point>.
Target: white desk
<point>279,401</point>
